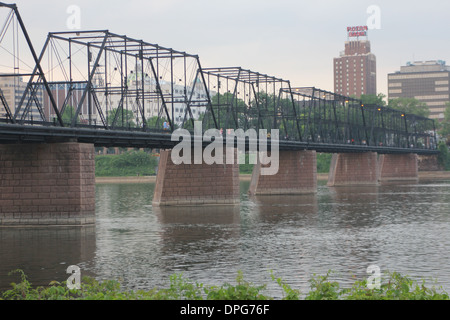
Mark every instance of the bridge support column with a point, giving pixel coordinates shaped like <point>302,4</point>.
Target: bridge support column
<point>297,174</point>
<point>398,168</point>
<point>47,184</point>
<point>196,184</point>
<point>348,169</point>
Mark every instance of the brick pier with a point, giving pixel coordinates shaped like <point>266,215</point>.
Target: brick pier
<point>353,169</point>
<point>196,184</point>
<point>297,174</point>
<point>47,184</point>
<point>398,168</point>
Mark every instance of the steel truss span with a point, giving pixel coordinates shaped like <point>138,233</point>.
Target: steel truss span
<point>112,90</point>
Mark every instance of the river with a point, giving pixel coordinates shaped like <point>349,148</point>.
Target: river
<point>404,228</point>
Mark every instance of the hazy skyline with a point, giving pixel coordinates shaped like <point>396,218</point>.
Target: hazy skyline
<point>293,40</point>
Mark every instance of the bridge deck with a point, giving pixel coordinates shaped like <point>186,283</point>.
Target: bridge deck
<point>14,134</point>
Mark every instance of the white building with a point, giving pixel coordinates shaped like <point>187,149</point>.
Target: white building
<point>176,97</point>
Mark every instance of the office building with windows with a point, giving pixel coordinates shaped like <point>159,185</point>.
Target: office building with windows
<point>426,81</point>
<point>13,89</point>
<point>355,70</point>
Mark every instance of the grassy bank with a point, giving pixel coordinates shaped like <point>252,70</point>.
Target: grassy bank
<point>142,164</point>
<point>131,163</point>
<point>393,286</point>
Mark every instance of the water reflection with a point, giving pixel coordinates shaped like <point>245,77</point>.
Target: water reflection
<point>354,206</point>
<point>286,208</point>
<point>194,235</point>
<point>44,253</point>
<point>190,215</point>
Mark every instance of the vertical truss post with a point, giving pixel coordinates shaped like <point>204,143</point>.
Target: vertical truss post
<point>89,84</point>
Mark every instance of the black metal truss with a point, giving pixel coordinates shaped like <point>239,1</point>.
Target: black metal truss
<point>327,117</point>
<point>245,99</point>
<point>118,86</point>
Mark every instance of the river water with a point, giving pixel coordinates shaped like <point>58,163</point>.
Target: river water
<point>404,228</point>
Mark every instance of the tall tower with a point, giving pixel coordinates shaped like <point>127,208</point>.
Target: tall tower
<point>355,69</point>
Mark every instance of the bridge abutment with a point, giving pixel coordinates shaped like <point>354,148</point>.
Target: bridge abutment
<point>398,168</point>
<point>353,169</point>
<point>297,174</point>
<point>196,184</point>
<point>47,184</point>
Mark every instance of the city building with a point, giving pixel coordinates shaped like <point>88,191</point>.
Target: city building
<point>109,99</point>
<point>355,68</point>
<point>426,81</point>
<point>13,88</point>
<point>69,94</point>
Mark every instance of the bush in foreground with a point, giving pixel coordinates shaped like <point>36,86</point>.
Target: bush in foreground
<point>397,287</point>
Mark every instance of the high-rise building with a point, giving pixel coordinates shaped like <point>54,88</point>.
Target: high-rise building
<point>426,81</point>
<point>355,68</point>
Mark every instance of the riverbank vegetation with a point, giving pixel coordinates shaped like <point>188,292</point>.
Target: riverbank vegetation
<point>130,163</point>
<point>394,286</point>
<point>141,163</point>
<point>444,156</point>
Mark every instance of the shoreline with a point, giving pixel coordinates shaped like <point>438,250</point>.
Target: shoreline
<point>423,175</point>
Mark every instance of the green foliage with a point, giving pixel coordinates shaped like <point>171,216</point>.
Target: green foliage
<point>410,106</point>
<point>322,289</point>
<point>179,289</point>
<point>444,155</point>
<point>247,167</point>
<point>68,115</point>
<point>242,291</point>
<point>288,292</point>
<point>323,162</point>
<point>395,287</point>
<point>369,99</point>
<point>130,163</point>
<point>444,125</point>
<point>19,291</point>
<point>124,118</point>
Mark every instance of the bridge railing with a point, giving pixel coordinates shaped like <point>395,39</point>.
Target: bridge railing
<point>332,118</point>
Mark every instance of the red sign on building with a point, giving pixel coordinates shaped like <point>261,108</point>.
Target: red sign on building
<point>358,31</point>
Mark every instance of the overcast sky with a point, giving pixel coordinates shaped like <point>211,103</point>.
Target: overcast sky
<point>291,39</point>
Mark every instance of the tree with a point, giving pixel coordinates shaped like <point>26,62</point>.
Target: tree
<point>156,122</point>
<point>375,99</point>
<point>68,115</point>
<point>444,155</point>
<point>126,115</point>
<point>226,106</point>
<point>410,106</point>
<point>444,125</point>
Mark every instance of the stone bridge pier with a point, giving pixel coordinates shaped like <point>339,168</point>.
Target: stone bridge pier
<point>369,168</point>
<point>47,184</point>
<point>297,174</point>
<point>395,168</point>
<point>187,184</point>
